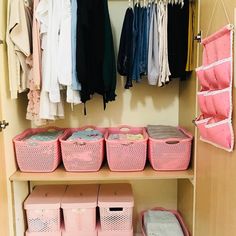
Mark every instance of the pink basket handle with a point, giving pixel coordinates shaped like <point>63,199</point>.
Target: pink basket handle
<point>127,143</point>
<point>89,127</point>
<point>125,128</point>
<point>172,141</point>
<point>79,143</point>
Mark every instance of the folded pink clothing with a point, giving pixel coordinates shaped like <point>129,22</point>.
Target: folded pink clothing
<point>125,137</point>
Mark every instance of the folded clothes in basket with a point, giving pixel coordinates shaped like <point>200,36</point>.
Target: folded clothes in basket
<point>90,135</point>
<point>44,136</point>
<point>133,137</point>
<point>162,223</point>
<point>165,132</point>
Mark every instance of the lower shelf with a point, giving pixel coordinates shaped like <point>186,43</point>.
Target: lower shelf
<point>104,174</point>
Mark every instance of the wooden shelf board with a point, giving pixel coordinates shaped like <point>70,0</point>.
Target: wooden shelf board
<point>104,174</point>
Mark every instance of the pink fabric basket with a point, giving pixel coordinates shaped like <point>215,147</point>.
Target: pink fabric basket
<point>176,213</point>
<point>82,155</point>
<point>37,156</point>
<point>125,155</point>
<point>170,154</point>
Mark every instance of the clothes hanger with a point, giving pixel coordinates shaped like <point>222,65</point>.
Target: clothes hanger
<point>130,3</point>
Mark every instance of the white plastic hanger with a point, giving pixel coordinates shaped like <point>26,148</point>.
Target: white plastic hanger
<point>130,3</point>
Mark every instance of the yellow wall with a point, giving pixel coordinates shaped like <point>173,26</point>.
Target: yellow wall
<point>141,105</point>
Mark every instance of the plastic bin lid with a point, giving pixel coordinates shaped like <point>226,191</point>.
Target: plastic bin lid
<point>80,196</point>
<point>45,197</point>
<point>115,195</point>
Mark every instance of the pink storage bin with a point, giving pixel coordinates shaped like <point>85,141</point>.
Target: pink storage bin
<point>43,209</point>
<point>126,155</point>
<point>79,208</point>
<point>82,155</point>
<point>217,46</point>
<point>215,103</point>
<point>116,204</point>
<point>176,213</point>
<point>220,132</point>
<point>80,233</point>
<point>43,234</point>
<point>201,122</point>
<point>170,154</point>
<point>114,232</point>
<point>37,156</point>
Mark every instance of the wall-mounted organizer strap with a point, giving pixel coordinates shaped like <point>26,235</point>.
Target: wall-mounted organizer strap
<point>215,97</point>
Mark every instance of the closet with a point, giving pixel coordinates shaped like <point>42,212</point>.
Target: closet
<point>204,194</point>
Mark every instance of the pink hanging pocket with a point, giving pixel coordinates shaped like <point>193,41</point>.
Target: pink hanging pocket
<point>217,46</point>
<point>201,122</point>
<point>223,73</point>
<point>215,103</point>
<point>220,133</point>
<point>215,76</point>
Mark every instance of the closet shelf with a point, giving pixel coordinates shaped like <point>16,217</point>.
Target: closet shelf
<point>104,174</point>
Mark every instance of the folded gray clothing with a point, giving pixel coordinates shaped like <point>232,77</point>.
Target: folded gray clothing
<point>162,223</point>
<point>165,132</point>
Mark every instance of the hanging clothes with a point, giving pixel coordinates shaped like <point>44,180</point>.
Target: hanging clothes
<point>48,14</point>
<point>125,58</point>
<point>163,44</point>
<point>137,34</point>
<point>37,56</point>
<point>96,67</point>
<point>109,63</point>
<point>143,42</point>
<point>178,19</point>
<point>75,83</point>
<point>153,49</point>
<point>34,83</point>
<point>65,67</point>
<point>19,44</point>
<point>191,30</point>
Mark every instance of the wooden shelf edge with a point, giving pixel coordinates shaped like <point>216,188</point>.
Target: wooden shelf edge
<point>104,174</point>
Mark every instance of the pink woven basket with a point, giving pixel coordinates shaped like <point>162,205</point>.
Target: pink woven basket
<point>82,155</point>
<point>170,154</point>
<point>176,213</point>
<point>125,155</point>
<point>37,156</point>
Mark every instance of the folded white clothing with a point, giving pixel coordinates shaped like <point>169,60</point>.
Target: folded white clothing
<point>162,223</point>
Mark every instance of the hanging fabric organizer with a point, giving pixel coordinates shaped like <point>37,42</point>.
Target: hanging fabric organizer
<point>215,97</point>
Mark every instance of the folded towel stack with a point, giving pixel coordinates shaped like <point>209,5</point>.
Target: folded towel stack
<point>164,132</point>
<point>89,135</point>
<point>44,136</point>
<point>162,223</point>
